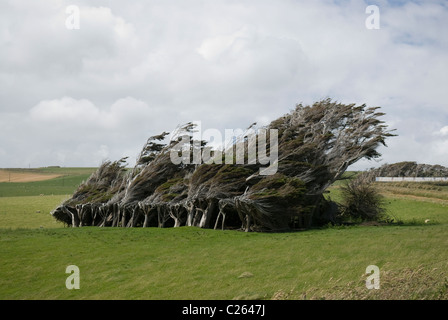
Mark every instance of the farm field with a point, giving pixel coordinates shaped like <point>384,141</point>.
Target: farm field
<point>23,176</point>
<point>193,263</point>
<point>41,181</point>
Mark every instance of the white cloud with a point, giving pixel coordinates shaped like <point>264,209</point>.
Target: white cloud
<point>68,112</point>
<point>64,111</point>
<point>75,132</point>
<point>136,69</point>
<point>444,131</point>
<point>211,49</point>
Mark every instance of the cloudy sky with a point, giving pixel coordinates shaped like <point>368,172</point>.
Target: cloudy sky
<point>75,97</point>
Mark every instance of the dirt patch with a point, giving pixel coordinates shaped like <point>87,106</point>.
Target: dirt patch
<point>23,176</point>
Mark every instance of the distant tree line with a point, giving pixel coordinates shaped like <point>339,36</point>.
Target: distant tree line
<point>405,169</point>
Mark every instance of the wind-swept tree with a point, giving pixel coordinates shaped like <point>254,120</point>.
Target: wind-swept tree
<point>314,145</point>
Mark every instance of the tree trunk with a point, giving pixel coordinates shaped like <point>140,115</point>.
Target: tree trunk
<point>217,219</point>
<point>208,213</point>
<point>189,206</point>
<point>116,214</point>
<point>78,208</point>
<point>72,215</point>
<point>124,213</point>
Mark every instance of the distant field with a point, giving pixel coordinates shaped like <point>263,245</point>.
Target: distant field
<point>24,176</point>
<point>47,181</point>
<point>193,263</point>
<point>435,191</point>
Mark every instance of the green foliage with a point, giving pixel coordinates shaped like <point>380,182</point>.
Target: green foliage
<point>231,172</point>
<point>102,184</point>
<point>167,185</point>
<point>171,189</point>
<point>204,173</point>
<point>361,201</point>
<point>280,188</point>
<point>87,193</point>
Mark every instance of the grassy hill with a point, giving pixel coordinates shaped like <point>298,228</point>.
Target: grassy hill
<point>193,263</point>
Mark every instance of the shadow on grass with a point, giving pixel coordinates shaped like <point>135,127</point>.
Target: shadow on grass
<point>392,222</point>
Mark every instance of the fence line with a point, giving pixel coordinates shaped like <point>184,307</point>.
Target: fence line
<point>410,179</point>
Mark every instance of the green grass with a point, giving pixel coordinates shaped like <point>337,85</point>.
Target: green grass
<point>407,207</point>
<point>193,263</point>
<point>29,211</point>
<point>411,211</point>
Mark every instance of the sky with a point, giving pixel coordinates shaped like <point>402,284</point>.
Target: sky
<point>75,95</point>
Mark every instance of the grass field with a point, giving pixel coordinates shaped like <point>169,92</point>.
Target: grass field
<point>193,263</point>
<point>67,179</point>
